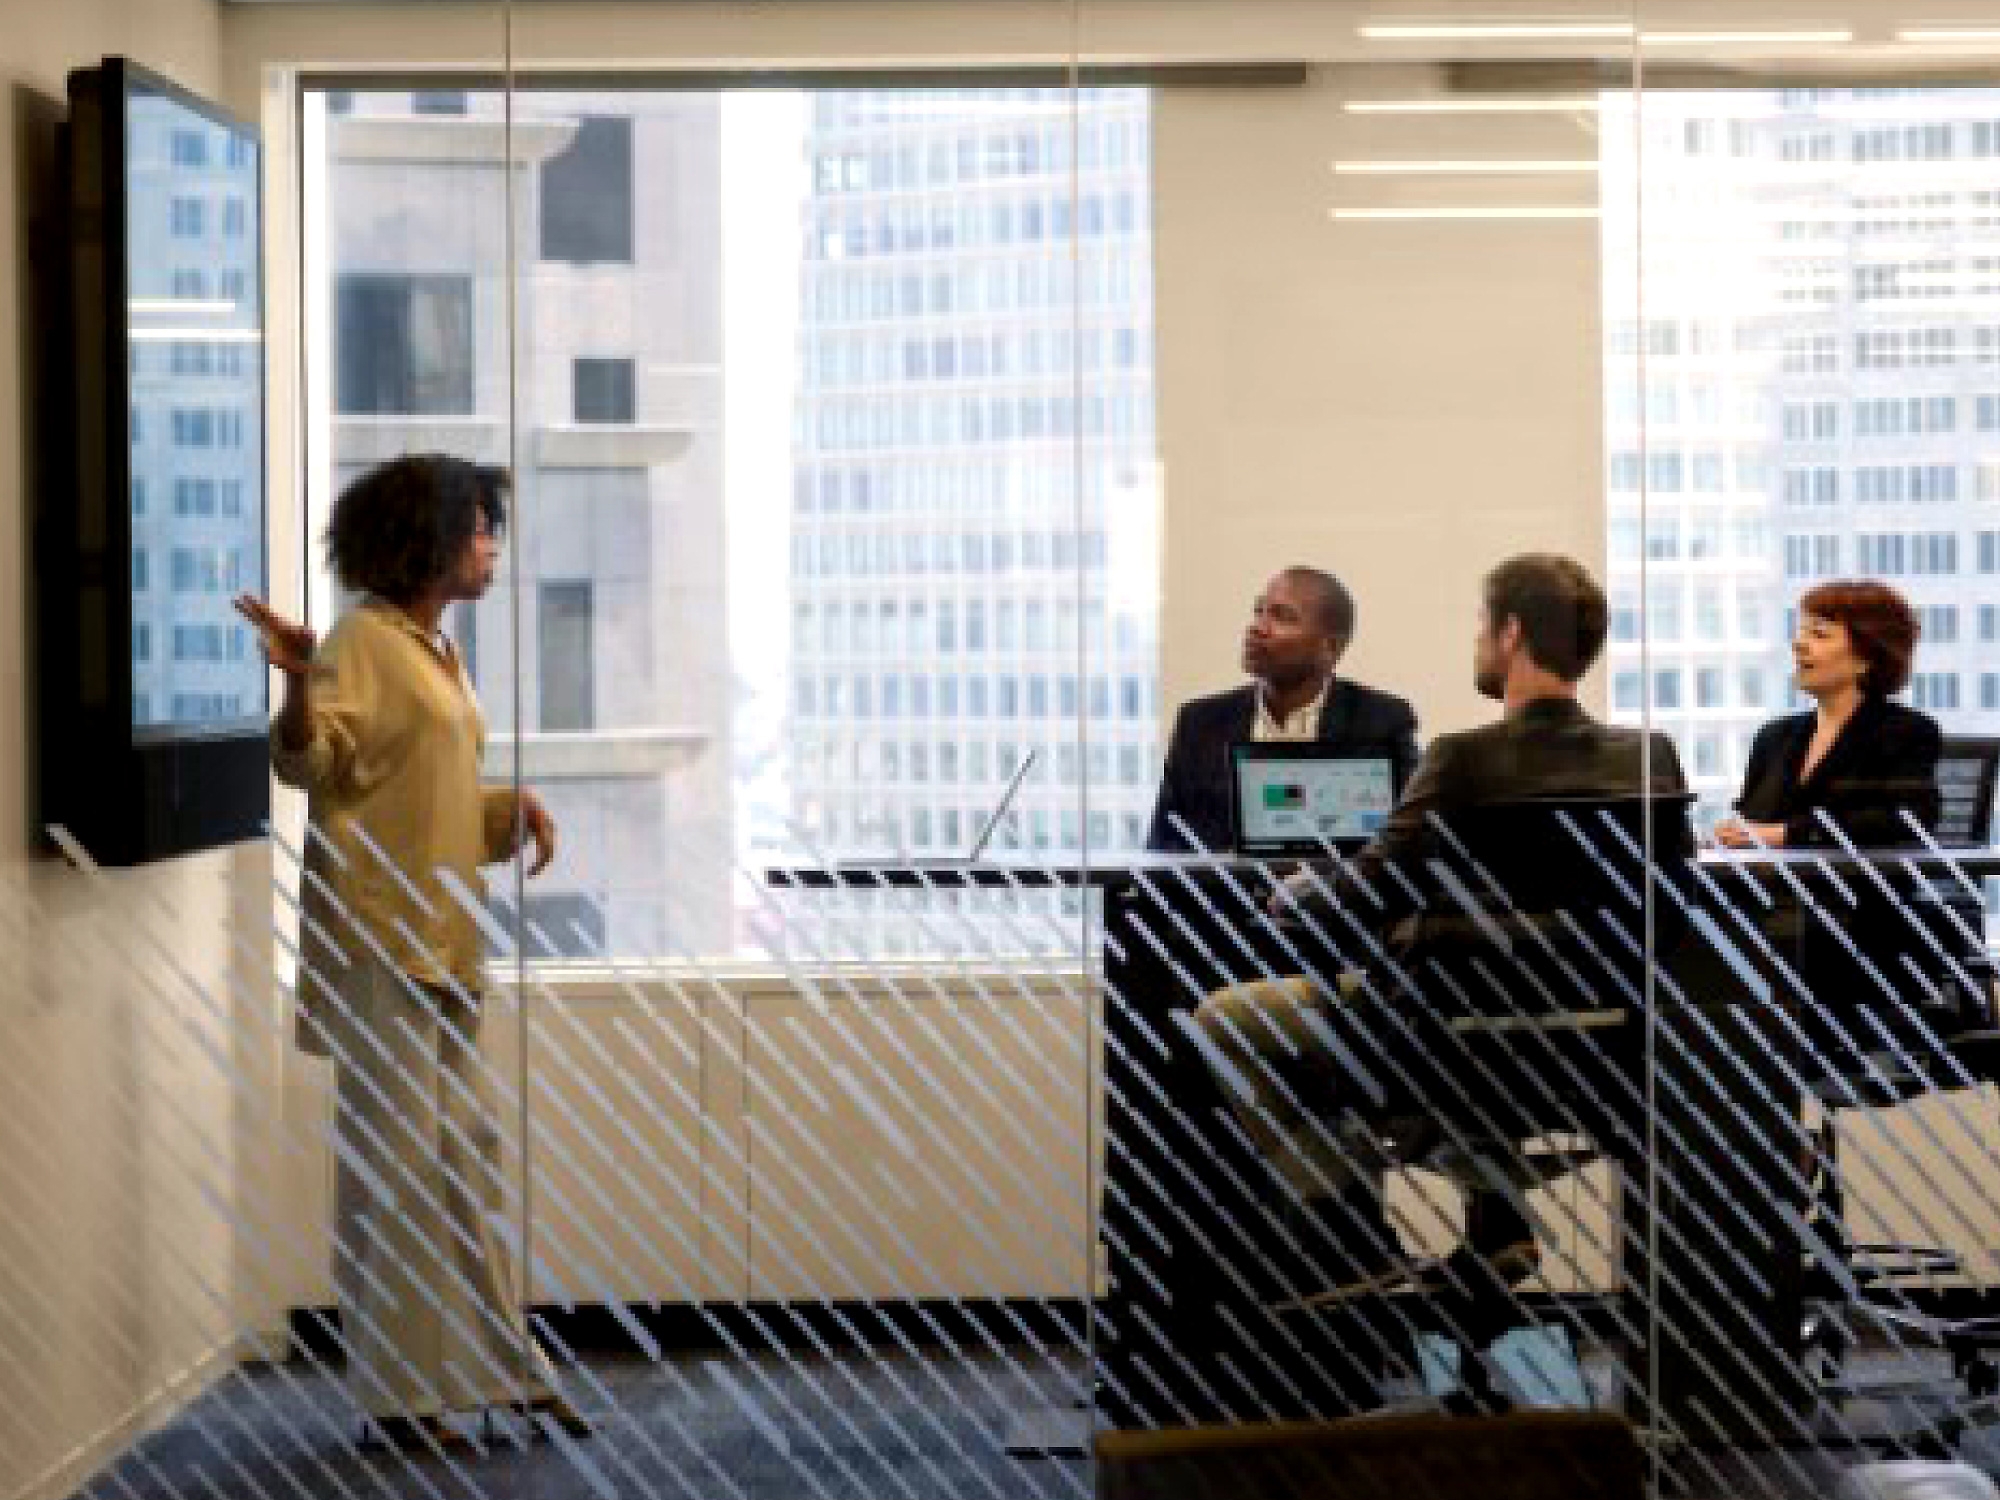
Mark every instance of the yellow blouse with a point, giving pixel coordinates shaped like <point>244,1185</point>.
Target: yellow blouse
<point>398,823</point>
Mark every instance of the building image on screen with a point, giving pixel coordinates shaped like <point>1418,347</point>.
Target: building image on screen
<point>197,418</point>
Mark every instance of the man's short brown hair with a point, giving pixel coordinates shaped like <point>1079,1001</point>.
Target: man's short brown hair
<point>1561,608</point>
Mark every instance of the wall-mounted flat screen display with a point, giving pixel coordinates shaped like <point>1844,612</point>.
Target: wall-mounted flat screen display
<point>195,311</point>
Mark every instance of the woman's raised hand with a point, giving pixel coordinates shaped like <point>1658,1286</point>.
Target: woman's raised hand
<point>289,646</point>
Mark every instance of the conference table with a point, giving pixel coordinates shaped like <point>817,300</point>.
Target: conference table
<point>1199,1260</point>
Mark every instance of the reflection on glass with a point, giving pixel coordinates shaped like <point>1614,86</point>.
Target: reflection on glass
<point>1813,391</point>
<point>838,488</point>
<point>197,374</point>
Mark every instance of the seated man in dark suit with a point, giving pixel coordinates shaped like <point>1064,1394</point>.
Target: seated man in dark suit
<point>1272,1043</point>
<point>1299,626</point>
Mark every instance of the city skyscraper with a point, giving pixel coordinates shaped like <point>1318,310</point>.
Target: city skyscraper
<point>614,585</point>
<point>1803,382</point>
<point>974,507</point>
<point>974,500</point>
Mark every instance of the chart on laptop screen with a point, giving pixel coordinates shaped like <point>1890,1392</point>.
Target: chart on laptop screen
<point>1301,801</point>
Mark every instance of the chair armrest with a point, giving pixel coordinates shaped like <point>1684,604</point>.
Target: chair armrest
<point>1556,1020</point>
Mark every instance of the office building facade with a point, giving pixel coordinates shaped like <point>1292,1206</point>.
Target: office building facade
<point>973,578</point>
<point>602,652</point>
<point>1813,393</point>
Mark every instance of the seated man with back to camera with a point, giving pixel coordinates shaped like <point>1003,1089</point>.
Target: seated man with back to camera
<point>1542,624</point>
<point>1300,626</point>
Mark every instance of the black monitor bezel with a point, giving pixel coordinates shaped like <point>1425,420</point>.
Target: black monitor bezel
<point>126,797</point>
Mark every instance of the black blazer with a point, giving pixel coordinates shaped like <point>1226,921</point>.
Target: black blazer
<point>1549,748</point>
<point>1194,786</point>
<point>1884,761</point>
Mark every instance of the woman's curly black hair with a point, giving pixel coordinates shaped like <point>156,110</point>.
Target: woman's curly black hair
<point>400,527</point>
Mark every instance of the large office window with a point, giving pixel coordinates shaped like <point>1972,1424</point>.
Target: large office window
<point>1855,411</point>
<point>587,194</point>
<point>564,661</point>
<point>932,546</point>
<point>438,102</point>
<point>404,344</point>
<point>602,390</point>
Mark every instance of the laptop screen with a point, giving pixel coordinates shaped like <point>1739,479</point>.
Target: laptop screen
<point>1293,799</point>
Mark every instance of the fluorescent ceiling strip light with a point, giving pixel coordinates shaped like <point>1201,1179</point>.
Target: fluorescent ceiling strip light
<point>1539,212</point>
<point>1470,106</point>
<point>1948,34</point>
<point>1739,38</point>
<point>1524,31</point>
<point>1455,168</point>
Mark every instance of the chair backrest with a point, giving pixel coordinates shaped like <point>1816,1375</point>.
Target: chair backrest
<point>1550,852</point>
<point>1965,777</point>
<point>1580,1455</point>
<point>1542,904</point>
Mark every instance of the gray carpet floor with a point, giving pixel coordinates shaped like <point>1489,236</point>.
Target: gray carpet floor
<point>919,1428</point>
<point>924,1426</point>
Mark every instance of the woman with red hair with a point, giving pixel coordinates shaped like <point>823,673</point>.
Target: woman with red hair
<point>1857,761</point>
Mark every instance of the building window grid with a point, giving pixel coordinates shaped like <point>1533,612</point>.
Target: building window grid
<point>1922,439</point>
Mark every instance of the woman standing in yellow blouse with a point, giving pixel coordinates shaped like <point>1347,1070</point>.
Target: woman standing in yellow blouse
<point>381,730</point>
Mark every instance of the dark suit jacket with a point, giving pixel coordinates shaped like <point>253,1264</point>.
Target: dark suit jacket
<point>1550,748</point>
<point>1194,786</point>
<point>1885,760</point>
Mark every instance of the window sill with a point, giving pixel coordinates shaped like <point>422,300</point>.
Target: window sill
<point>598,754</point>
<point>610,445</point>
<point>363,441</point>
<point>445,138</point>
<point>936,982</point>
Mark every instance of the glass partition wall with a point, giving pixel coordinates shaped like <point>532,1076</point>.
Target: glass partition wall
<point>1800,419</point>
<point>1382,291</point>
<point>987,543</point>
<point>1595,285</point>
<point>799,602</point>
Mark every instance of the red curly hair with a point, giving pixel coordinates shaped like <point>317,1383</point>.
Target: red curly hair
<point>1880,623</point>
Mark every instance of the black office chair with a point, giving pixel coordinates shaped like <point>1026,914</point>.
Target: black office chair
<point>1510,1000</point>
<point>1966,775</point>
<point>1923,931</point>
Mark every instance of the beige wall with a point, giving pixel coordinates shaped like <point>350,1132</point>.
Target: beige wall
<point>1401,402</point>
<point>1328,392</point>
<point>125,1007</point>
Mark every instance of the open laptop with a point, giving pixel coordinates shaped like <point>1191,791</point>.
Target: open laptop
<point>1293,799</point>
<point>980,841</point>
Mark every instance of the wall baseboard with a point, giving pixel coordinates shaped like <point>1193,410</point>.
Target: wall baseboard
<point>686,1328</point>
<point>172,1396</point>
